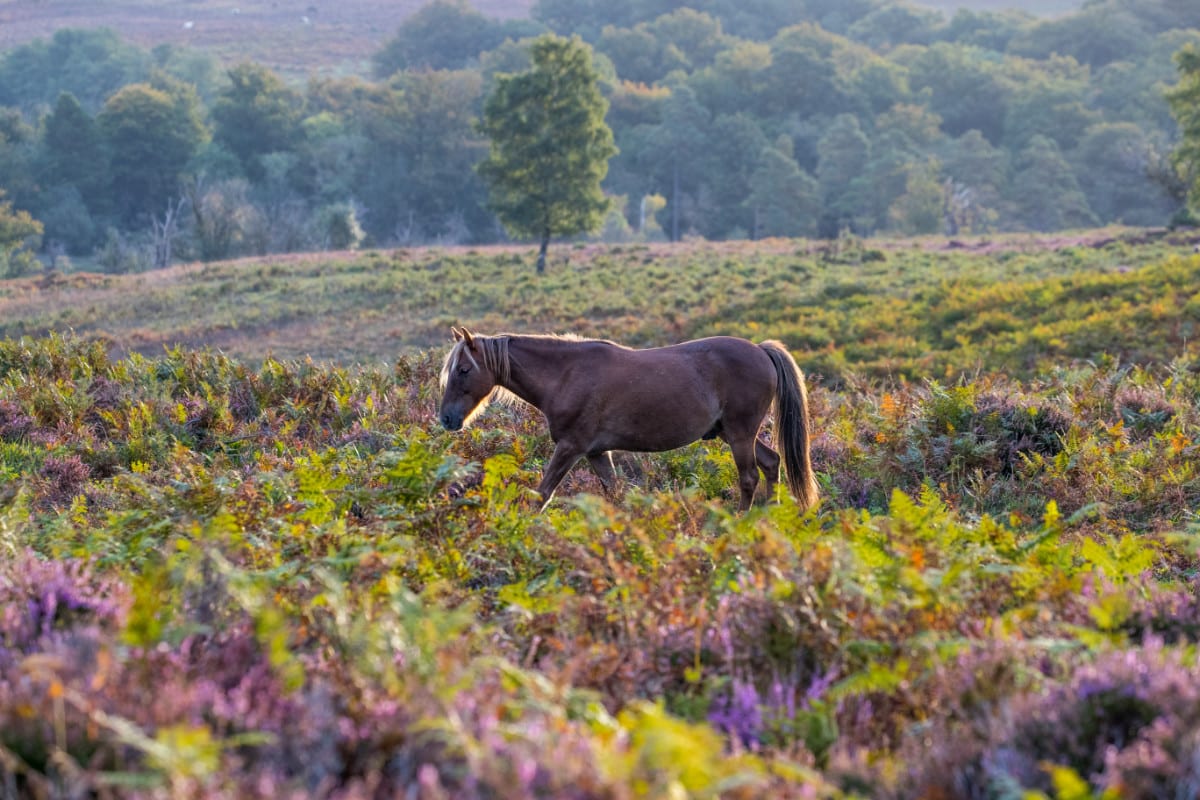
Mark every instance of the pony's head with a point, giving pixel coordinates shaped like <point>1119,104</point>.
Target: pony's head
<point>471,373</point>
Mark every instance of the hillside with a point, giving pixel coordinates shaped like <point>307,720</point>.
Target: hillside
<point>1042,8</point>
<point>909,306</point>
<point>292,36</point>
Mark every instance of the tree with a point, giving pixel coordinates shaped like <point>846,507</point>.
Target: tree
<point>968,89</point>
<point>1045,193</point>
<point>220,216</point>
<point>151,135</point>
<point>978,176</point>
<point>73,152</point>
<point>669,155</point>
<point>90,64</point>
<point>1185,105</point>
<point>254,115</point>
<point>785,199</point>
<point>446,34</point>
<point>1095,36</point>
<point>842,154</point>
<point>550,145</point>
<point>922,207</point>
<point>892,25</point>
<point>730,158</point>
<point>19,234</point>
<point>18,156</point>
<point>1054,107</point>
<point>1113,163</point>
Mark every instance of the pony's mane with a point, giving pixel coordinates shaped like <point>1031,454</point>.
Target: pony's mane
<point>496,359</point>
<point>494,354</point>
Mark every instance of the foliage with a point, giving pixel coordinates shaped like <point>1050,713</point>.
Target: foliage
<point>151,133</point>
<point>445,35</point>
<point>254,115</point>
<point>881,309</point>
<point>1185,105</point>
<point>550,145</point>
<point>1025,123</point>
<point>88,64</point>
<point>18,231</point>
<point>219,576</point>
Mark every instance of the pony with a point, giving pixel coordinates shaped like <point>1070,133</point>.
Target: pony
<point>598,396</point>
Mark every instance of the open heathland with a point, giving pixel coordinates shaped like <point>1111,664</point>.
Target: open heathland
<point>236,571</point>
<point>294,36</point>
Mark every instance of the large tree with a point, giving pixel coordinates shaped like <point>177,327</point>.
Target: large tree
<point>151,132</point>
<point>256,114</point>
<point>550,145</point>
<point>1185,105</point>
<point>73,152</point>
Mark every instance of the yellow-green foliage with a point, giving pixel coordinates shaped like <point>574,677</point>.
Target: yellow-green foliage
<point>901,310</point>
<point>219,575</point>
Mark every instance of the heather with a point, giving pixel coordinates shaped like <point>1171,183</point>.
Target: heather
<point>226,576</point>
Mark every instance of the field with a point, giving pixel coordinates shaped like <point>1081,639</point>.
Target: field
<point>294,37</point>
<point>230,570</point>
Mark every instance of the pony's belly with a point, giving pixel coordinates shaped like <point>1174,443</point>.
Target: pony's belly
<point>655,437</point>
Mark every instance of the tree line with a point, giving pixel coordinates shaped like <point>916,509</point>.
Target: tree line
<point>731,119</point>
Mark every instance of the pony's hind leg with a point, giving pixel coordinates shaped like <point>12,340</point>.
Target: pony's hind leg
<point>768,462</point>
<point>747,467</point>
<point>602,465</point>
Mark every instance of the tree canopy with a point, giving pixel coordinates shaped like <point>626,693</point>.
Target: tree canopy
<point>1185,104</point>
<point>748,117</point>
<point>550,145</point>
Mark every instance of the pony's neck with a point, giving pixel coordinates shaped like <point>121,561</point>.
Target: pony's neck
<point>534,367</point>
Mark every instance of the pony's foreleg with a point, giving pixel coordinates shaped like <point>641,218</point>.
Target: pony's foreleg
<point>602,465</point>
<point>564,457</point>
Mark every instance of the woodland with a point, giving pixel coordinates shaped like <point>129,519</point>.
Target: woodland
<point>731,120</point>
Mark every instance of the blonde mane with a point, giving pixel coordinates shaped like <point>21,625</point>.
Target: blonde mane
<point>494,354</point>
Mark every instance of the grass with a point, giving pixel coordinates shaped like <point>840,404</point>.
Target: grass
<point>905,309</point>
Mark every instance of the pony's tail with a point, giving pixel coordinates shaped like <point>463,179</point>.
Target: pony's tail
<point>792,425</point>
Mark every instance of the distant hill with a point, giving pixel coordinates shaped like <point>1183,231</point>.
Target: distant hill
<point>291,36</point>
<point>1040,8</point>
<point>297,36</point>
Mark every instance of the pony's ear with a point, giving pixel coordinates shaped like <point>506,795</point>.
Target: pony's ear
<point>457,333</point>
<point>468,337</point>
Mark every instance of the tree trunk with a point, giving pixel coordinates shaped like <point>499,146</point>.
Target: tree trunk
<point>541,262</point>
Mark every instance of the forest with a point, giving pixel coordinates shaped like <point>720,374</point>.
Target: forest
<point>731,120</point>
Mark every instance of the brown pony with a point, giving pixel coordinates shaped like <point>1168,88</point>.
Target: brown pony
<point>599,396</point>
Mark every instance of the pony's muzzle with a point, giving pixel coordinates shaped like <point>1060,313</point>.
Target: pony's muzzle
<point>451,422</point>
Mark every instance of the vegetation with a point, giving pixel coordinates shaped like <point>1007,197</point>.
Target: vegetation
<point>907,121</point>
<point>281,576</point>
<point>550,146</point>
<point>1185,104</point>
<point>915,308</point>
<point>17,229</point>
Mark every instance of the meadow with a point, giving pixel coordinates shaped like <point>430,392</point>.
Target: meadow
<point>240,557</point>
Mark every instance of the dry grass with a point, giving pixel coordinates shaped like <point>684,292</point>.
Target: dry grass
<point>372,306</point>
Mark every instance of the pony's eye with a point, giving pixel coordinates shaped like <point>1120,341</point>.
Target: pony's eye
<point>464,369</point>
